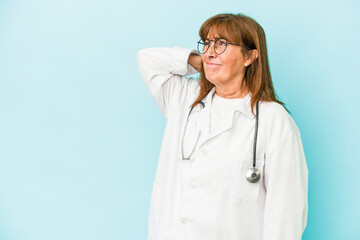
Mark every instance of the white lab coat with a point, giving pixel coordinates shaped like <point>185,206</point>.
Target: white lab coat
<point>208,196</point>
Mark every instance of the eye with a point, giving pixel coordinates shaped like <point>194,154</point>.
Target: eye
<point>207,43</point>
<point>222,42</point>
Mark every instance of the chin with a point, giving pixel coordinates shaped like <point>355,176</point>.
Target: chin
<point>214,79</point>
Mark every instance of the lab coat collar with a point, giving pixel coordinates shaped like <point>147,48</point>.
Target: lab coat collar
<point>244,107</point>
<point>203,120</point>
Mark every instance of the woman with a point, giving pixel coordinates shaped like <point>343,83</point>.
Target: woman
<point>231,165</point>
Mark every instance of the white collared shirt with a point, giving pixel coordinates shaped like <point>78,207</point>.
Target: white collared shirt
<point>223,108</point>
<point>208,196</point>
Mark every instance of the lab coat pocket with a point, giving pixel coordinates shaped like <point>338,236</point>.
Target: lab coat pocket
<point>236,186</point>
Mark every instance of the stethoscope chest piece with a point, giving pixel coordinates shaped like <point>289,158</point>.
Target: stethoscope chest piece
<point>253,175</point>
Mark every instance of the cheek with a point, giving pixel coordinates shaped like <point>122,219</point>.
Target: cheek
<point>203,57</point>
<point>228,64</point>
<point>233,64</point>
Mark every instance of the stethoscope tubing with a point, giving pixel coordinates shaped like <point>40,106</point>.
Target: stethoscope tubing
<point>256,133</point>
<point>197,139</point>
<point>253,175</point>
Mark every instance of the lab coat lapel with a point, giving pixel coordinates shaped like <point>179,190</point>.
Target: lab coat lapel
<point>226,124</point>
<point>204,119</point>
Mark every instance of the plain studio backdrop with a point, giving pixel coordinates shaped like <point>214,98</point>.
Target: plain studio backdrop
<point>80,134</point>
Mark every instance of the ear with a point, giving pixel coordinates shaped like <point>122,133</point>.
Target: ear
<point>252,56</point>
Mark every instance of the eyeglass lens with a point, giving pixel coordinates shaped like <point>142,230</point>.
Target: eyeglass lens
<point>219,45</point>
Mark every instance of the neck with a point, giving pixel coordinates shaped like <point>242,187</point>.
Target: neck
<point>231,93</point>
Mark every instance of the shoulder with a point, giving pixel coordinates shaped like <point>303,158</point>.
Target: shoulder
<point>276,120</point>
<point>183,92</point>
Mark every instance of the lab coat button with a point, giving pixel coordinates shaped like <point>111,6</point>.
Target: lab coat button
<point>182,220</point>
<point>192,183</point>
<point>203,152</point>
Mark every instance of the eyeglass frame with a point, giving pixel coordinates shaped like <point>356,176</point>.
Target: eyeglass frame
<point>217,39</point>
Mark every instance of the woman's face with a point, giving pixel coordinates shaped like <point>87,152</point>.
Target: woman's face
<point>225,70</point>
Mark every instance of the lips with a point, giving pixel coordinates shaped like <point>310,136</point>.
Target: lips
<point>213,64</point>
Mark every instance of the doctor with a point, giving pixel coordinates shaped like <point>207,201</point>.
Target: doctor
<point>231,165</point>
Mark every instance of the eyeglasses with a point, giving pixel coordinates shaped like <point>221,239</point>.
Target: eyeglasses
<point>220,45</point>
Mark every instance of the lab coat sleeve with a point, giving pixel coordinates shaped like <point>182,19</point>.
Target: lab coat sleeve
<point>286,182</point>
<point>163,71</point>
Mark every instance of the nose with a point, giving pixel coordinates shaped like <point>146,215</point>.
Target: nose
<point>211,51</point>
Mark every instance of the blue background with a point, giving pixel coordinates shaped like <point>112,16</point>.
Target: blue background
<point>80,135</point>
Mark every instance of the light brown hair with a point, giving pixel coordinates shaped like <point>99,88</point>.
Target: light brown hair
<point>245,31</point>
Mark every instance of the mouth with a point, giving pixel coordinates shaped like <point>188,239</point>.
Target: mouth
<point>212,65</point>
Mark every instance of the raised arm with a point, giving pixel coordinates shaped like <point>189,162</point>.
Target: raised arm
<point>163,71</point>
<point>195,61</point>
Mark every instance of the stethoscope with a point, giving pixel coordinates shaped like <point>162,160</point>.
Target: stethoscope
<point>253,175</point>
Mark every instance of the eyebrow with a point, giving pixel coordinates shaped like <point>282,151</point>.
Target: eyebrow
<point>215,38</point>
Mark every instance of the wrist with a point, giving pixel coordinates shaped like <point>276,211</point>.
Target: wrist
<point>195,61</point>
